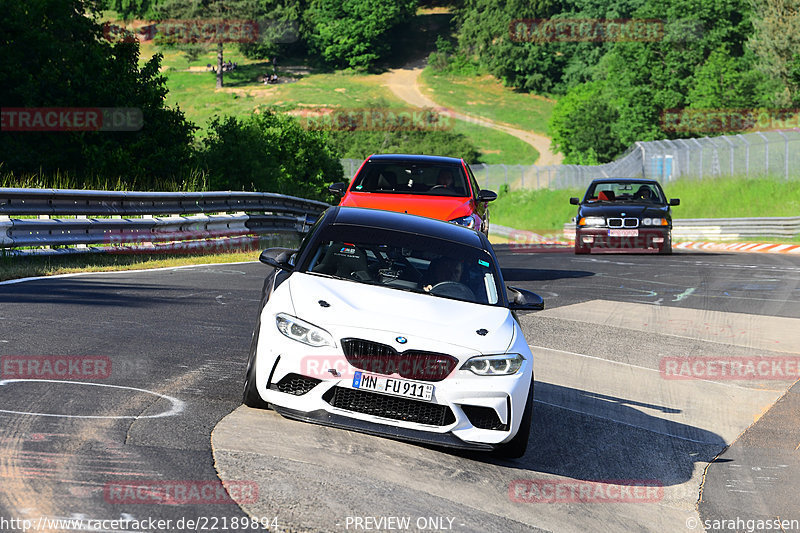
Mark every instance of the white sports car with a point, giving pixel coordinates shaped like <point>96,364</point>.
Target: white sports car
<point>395,325</point>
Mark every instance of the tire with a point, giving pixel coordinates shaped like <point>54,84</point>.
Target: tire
<point>250,396</point>
<point>666,247</point>
<point>516,447</point>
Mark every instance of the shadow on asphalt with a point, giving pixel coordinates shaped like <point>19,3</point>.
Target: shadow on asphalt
<point>612,444</point>
<point>96,292</point>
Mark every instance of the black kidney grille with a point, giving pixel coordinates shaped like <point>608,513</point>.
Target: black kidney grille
<point>371,403</point>
<point>412,364</point>
<point>296,384</point>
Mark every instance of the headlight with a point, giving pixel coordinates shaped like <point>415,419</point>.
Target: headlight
<point>302,331</point>
<point>467,221</point>
<point>494,365</point>
<point>592,221</point>
<point>654,222</point>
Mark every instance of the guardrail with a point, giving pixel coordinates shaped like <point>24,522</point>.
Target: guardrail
<point>102,221</point>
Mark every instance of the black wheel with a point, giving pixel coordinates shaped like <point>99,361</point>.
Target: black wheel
<point>250,396</point>
<point>516,447</point>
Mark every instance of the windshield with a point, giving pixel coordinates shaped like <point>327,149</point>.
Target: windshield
<point>411,178</point>
<point>402,261</point>
<point>639,192</point>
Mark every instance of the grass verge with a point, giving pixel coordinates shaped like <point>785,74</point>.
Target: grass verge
<point>12,267</point>
<point>540,210</point>
<point>495,146</point>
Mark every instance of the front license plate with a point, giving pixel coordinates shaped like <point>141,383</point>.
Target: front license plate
<point>393,386</point>
<point>623,233</point>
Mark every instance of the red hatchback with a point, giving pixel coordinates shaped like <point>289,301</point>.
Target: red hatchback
<point>431,186</point>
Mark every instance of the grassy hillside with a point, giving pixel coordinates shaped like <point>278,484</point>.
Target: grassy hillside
<point>486,96</point>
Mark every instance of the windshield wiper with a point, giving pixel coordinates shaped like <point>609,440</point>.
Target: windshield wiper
<point>331,276</point>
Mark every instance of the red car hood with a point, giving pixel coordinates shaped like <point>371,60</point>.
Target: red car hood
<point>441,207</point>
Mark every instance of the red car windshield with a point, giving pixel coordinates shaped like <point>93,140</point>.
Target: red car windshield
<point>411,178</point>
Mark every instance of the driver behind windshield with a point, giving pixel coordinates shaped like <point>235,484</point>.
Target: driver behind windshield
<point>445,178</point>
<point>443,269</point>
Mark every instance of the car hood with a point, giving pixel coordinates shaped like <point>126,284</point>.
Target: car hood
<point>402,313</point>
<point>441,207</point>
<point>630,210</point>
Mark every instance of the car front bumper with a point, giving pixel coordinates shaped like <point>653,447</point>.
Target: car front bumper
<point>646,238</point>
<point>316,385</point>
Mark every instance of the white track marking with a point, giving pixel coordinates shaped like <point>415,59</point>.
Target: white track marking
<point>177,405</point>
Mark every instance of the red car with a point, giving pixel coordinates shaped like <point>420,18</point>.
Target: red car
<point>431,186</point>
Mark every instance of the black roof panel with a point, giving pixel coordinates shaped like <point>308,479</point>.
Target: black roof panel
<point>379,219</point>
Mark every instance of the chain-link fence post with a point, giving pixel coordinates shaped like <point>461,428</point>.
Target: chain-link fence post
<point>785,155</point>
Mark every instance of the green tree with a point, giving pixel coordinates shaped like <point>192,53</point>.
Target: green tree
<point>776,40</point>
<point>54,55</point>
<point>725,81</point>
<point>646,78</point>
<point>269,152</point>
<point>354,33</point>
<point>232,11</point>
<point>496,35</point>
<point>583,126</point>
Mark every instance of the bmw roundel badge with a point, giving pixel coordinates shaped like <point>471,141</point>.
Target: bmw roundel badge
<point>401,340</point>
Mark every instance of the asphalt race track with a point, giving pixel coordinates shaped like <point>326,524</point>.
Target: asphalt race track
<point>617,444</point>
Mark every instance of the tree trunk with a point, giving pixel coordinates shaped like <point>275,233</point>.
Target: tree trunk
<point>219,65</point>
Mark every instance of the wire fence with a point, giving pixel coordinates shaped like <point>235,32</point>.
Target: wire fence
<point>759,154</point>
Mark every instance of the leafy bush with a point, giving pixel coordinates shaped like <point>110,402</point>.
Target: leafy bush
<point>269,152</point>
<point>354,33</point>
<point>59,58</point>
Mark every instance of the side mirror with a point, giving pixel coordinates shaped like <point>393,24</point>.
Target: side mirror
<point>574,201</point>
<point>338,188</point>
<point>486,196</point>
<point>674,201</point>
<point>524,300</point>
<point>278,258</point>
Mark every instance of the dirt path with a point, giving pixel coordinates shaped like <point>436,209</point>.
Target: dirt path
<point>404,82</point>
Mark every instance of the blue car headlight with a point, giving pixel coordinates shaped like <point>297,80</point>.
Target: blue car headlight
<point>467,221</point>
